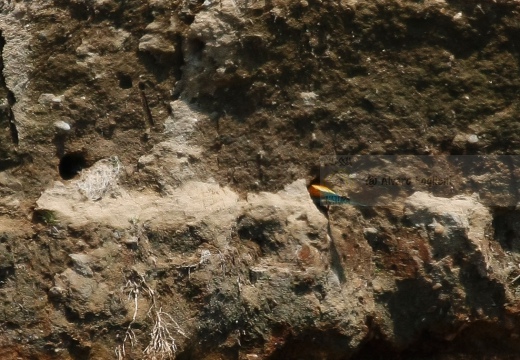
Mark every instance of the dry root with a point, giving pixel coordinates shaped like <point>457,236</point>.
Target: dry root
<point>162,341</point>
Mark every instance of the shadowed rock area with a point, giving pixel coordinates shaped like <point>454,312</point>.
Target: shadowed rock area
<point>154,163</point>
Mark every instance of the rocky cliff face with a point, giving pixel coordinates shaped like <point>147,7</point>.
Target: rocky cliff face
<point>154,163</point>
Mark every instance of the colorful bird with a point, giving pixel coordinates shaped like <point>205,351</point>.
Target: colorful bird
<point>324,196</point>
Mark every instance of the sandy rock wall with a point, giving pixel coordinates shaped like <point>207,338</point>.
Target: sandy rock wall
<point>154,163</point>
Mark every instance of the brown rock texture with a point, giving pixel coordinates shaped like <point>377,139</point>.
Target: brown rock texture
<point>154,163</point>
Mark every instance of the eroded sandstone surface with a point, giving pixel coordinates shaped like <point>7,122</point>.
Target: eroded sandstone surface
<point>154,163</point>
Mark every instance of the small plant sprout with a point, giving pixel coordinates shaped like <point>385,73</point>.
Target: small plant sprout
<point>48,217</point>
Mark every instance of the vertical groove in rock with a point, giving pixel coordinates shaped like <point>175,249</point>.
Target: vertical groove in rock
<point>11,100</point>
<point>146,107</point>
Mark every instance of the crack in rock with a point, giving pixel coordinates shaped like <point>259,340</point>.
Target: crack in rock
<point>11,100</point>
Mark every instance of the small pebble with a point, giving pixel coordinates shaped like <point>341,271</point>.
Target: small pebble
<point>457,16</point>
<point>472,139</point>
<point>370,233</point>
<point>439,229</point>
<point>56,292</point>
<point>50,99</point>
<point>131,240</point>
<point>437,286</point>
<point>62,125</point>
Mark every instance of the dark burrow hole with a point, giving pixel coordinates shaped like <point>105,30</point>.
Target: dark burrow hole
<point>125,81</point>
<point>506,224</point>
<point>6,272</point>
<point>71,164</point>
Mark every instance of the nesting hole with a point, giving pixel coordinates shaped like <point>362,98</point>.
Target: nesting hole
<point>71,164</point>
<point>125,81</point>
